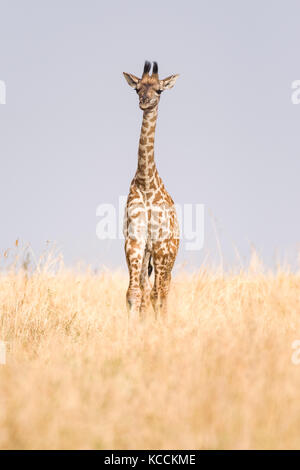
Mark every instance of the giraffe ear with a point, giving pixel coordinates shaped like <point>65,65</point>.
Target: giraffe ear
<point>132,80</point>
<point>168,82</point>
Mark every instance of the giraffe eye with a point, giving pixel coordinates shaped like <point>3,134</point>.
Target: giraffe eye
<point>137,90</point>
<point>158,92</point>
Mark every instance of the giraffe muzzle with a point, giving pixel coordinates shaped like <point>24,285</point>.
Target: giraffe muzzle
<point>145,103</point>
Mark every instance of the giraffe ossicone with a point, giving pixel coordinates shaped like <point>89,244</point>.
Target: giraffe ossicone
<point>151,227</point>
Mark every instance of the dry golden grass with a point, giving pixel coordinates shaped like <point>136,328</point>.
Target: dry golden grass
<point>218,374</point>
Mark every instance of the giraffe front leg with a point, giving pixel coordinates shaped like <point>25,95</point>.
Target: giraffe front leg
<point>164,255</point>
<point>134,255</point>
<point>164,292</point>
<point>160,291</point>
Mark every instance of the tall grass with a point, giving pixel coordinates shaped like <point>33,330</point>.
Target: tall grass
<point>217,374</point>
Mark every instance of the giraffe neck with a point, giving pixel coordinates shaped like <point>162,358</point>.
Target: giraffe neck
<point>146,170</point>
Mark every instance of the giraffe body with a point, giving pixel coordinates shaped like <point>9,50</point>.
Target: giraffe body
<point>150,225</point>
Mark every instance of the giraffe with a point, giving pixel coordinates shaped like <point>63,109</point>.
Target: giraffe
<point>150,224</point>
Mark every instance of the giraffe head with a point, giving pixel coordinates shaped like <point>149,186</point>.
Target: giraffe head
<point>149,87</point>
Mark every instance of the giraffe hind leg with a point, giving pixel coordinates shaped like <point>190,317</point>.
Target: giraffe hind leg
<point>150,267</point>
<point>145,283</point>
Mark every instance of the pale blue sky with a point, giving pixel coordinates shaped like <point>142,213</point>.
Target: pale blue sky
<point>227,135</point>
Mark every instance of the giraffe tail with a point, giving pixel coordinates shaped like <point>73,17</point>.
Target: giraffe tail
<point>150,267</point>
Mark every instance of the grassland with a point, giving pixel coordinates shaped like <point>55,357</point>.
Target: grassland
<point>216,375</point>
